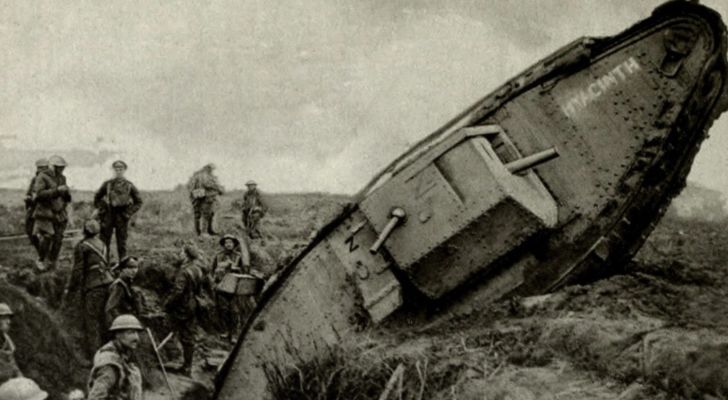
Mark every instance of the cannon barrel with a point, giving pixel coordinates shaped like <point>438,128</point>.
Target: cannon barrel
<point>531,161</point>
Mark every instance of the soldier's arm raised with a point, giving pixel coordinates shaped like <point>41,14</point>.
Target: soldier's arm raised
<point>103,382</point>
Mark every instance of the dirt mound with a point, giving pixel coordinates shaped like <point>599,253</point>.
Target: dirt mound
<point>45,352</point>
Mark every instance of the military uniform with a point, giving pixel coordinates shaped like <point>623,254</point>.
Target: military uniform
<point>181,305</point>
<point>89,283</point>
<point>253,210</point>
<point>29,208</point>
<point>115,375</point>
<point>204,189</point>
<point>49,215</point>
<point>117,200</point>
<point>8,367</point>
<point>231,308</point>
<point>122,300</point>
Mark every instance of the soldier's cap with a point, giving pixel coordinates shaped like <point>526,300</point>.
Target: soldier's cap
<point>57,161</point>
<point>119,164</point>
<point>127,262</point>
<point>91,227</point>
<point>209,166</point>
<point>126,322</point>
<point>22,388</point>
<point>249,183</point>
<point>41,162</point>
<point>229,237</point>
<point>5,310</point>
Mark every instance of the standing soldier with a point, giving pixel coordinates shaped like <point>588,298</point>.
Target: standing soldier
<point>50,217</point>
<point>253,210</point>
<point>40,166</point>
<point>117,200</point>
<point>89,283</point>
<point>122,298</point>
<point>233,258</point>
<point>115,374</point>
<point>204,189</point>
<point>8,367</point>
<point>182,303</point>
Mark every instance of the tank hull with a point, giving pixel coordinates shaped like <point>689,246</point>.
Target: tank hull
<point>627,115</point>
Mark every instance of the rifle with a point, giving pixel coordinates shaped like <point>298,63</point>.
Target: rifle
<point>159,359</point>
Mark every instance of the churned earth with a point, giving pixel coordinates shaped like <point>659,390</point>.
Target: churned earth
<point>658,330</point>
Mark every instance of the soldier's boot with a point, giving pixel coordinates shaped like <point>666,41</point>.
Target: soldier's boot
<point>188,351</point>
<point>122,232</point>
<point>210,230</point>
<point>44,247</point>
<point>197,226</point>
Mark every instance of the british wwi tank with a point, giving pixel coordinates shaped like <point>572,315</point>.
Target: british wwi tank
<point>557,176</point>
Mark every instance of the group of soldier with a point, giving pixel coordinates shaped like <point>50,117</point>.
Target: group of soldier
<point>204,189</point>
<point>102,293</point>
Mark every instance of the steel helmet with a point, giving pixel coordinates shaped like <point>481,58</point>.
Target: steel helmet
<point>76,394</point>
<point>250,182</point>
<point>57,161</point>
<point>21,389</point>
<point>5,310</point>
<point>229,237</point>
<point>91,227</point>
<point>41,162</point>
<point>126,322</point>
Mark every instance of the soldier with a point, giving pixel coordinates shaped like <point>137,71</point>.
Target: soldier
<point>204,189</point>
<point>8,367</point>
<point>117,200</point>
<point>122,298</point>
<point>21,389</point>
<point>253,210</point>
<point>89,284</point>
<point>233,258</point>
<point>50,217</point>
<point>40,166</point>
<point>182,304</point>
<point>115,374</point>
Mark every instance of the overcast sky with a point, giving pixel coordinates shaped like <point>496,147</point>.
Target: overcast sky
<point>299,95</point>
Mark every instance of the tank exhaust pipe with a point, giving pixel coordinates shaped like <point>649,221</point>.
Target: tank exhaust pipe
<point>532,161</point>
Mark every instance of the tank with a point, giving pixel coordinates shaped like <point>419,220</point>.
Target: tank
<point>556,177</point>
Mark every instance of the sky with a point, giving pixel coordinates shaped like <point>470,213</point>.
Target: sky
<point>299,95</point>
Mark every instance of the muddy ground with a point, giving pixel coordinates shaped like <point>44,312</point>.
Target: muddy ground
<point>656,331</point>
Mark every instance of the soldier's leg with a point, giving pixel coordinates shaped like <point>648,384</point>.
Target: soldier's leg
<point>95,319</point>
<point>210,218</point>
<point>121,224</point>
<point>197,213</point>
<point>223,311</point>
<point>187,339</point>
<point>254,231</point>
<point>59,228</point>
<point>245,219</point>
<point>29,229</point>
<point>106,228</point>
<point>43,231</point>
